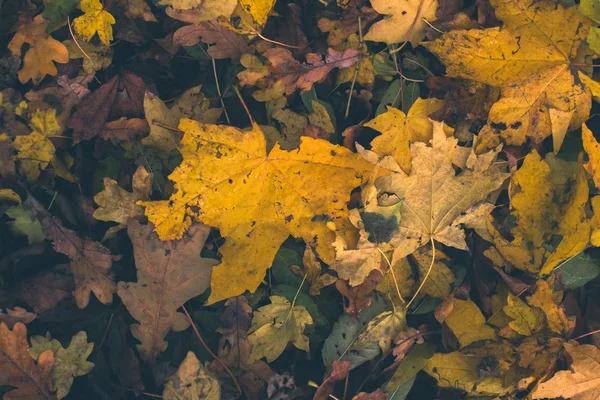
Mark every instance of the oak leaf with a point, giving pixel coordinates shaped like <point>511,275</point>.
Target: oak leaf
<point>227,180</point>
<point>434,201</point>
<point>70,361</point>
<point>580,382</point>
<point>529,58</point>
<point>90,261</point>
<point>45,290</point>
<point>169,274</point>
<point>406,22</point>
<point>18,369</point>
<point>548,199</point>
<point>43,50</point>
<point>18,314</point>
<point>192,381</point>
<point>95,19</point>
<point>117,204</point>
<point>274,326</point>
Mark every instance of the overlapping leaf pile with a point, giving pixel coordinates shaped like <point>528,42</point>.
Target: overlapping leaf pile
<point>269,199</point>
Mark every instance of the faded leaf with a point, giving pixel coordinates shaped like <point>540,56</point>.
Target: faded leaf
<point>225,43</point>
<point>70,362</point>
<point>90,261</point>
<point>192,382</point>
<point>274,326</point>
<point>169,273</point>
<point>382,329</point>
<point>405,22</point>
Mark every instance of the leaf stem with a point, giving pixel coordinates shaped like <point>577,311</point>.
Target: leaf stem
<point>426,275</point>
<point>225,367</point>
<point>393,276</point>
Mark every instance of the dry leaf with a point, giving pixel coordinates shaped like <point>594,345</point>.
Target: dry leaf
<point>95,19</point>
<point>192,382</point>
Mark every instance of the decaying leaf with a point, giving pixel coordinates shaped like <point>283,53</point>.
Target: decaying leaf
<point>529,58</point>
<point>580,382</point>
<point>433,200</point>
<point>169,274</point>
<point>18,314</point>
<point>90,261</point>
<point>274,326</point>
<point>70,362</point>
<point>192,381</point>
<point>233,161</point>
<point>382,329</point>
<point>18,369</point>
<point>225,43</point>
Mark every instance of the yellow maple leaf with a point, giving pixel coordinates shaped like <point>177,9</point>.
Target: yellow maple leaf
<point>35,151</point>
<point>43,50</point>
<point>543,209</point>
<point>399,130</point>
<point>526,320</point>
<point>406,21</point>
<point>94,20</point>
<point>228,180</point>
<point>274,326</point>
<point>529,58</point>
<point>468,323</point>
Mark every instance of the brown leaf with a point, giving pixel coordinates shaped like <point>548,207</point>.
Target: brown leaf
<point>11,317</point>
<point>108,102</point>
<point>339,372</point>
<point>225,43</point>
<point>169,274</point>
<point>90,261</point>
<point>357,295</point>
<point>18,368</point>
<point>124,129</point>
<point>339,30</point>
<point>376,395</point>
<point>45,290</point>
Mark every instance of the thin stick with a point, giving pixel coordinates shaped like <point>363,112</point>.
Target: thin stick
<point>587,334</point>
<point>225,367</point>
<point>237,91</point>
<point>80,48</point>
<point>426,275</point>
<point>214,65</point>
<point>356,67</point>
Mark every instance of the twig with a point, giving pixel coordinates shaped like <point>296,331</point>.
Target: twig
<point>356,68</point>
<point>214,65</point>
<point>239,95</point>
<point>225,367</point>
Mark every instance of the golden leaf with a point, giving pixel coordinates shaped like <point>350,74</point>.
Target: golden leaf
<point>529,58</point>
<point>468,323</point>
<point>527,321</point>
<point>95,19</point>
<point>227,180</point>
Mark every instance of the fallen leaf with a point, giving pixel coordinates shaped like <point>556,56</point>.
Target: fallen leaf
<point>18,369</point>
<point>340,29</point>
<point>547,200</point>
<point>274,326</point>
<point>399,130</point>
<point>95,19</point>
<point>543,299</point>
<point>314,272</point>
<point>90,261</point>
<point>35,151</point>
<point>45,290</point>
<point>359,297</point>
<point>468,323</point>
<point>592,148</point>
<point>118,205</point>
<point>138,9</point>
<point>339,372</point>
<point>434,192</point>
<point>405,22</point>
<point>527,321</point>
<point>69,362</point>
<point>382,329</point>
<point>225,43</point>
<point>192,381</point>
<point>580,382</point>
<point>529,58</point>
<point>18,314</point>
<point>284,74</point>
<point>206,178</point>
<point>24,225</point>
<point>169,273</point>
<point>43,50</point>
<point>124,129</point>
<point>95,58</point>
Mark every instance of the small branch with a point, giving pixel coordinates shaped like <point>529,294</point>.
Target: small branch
<point>225,367</point>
